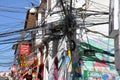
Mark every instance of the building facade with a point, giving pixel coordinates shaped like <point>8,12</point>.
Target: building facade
<point>114,29</point>
<point>60,38</point>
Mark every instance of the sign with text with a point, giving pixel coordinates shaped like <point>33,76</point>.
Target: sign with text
<point>95,74</point>
<point>24,49</point>
<point>92,74</point>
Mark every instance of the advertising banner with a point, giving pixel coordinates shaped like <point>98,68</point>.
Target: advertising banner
<point>24,49</point>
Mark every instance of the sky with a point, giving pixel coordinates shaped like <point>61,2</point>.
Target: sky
<point>12,18</point>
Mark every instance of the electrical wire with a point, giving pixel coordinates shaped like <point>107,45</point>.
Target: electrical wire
<point>99,8</point>
<point>6,57</point>
<point>11,23</point>
<point>96,32</point>
<point>93,36</point>
<point>4,34</point>
<point>16,32</point>
<point>36,1</point>
<point>5,66</point>
<point>7,29</point>
<point>6,62</point>
<point>4,47</point>
<point>12,37</point>
<point>104,6</point>
<point>12,11</point>
<point>10,17</point>
<point>49,11</point>
<point>8,41</point>
<point>12,32</point>
<point>33,2</point>
<point>14,40</point>
<point>12,7</point>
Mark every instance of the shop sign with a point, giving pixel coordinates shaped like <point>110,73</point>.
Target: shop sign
<point>24,49</point>
<point>23,65</point>
<point>23,61</point>
<point>93,74</point>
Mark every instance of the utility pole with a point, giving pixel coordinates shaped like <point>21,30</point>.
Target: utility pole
<point>118,32</point>
<point>115,29</point>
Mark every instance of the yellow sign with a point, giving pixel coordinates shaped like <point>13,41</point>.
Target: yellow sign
<point>23,65</point>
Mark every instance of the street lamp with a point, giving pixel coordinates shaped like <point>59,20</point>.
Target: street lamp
<point>33,10</point>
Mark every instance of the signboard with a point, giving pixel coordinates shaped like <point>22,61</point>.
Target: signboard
<point>23,64</point>
<point>24,49</point>
<point>92,74</point>
<point>23,61</point>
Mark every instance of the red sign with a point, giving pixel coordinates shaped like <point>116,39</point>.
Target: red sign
<point>24,49</point>
<point>13,68</point>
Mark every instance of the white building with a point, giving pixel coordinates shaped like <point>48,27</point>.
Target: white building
<point>94,17</point>
<point>114,29</point>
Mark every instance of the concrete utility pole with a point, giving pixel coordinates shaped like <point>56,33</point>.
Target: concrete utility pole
<point>119,26</point>
<point>118,41</point>
<point>115,29</point>
<point>55,47</point>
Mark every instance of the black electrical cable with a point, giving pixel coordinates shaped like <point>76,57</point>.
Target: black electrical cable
<point>99,4</point>
<point>6,62</point>
<point>12,7</point>
<point>10,17</point>
<point>7,29</point>
<point>12,11</point>
<point>11,23</point>
<point>96,32</point>
<point>13,32</point>
<point>92,24</point>
<point>99,24</point>
<point>4,47</point>
<point>7,49</point>
<point>64,10</point>
<point>99,8</point>
<point>13,40</point>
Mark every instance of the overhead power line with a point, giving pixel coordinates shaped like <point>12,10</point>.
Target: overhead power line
<point>28,30</point>
<point>12,11</point>
<point>14,40</point>
<point>12,23</point>
<point>96,32</point>
<point>12,7</point>
<point>10,17</point>
<point>99,4</point>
